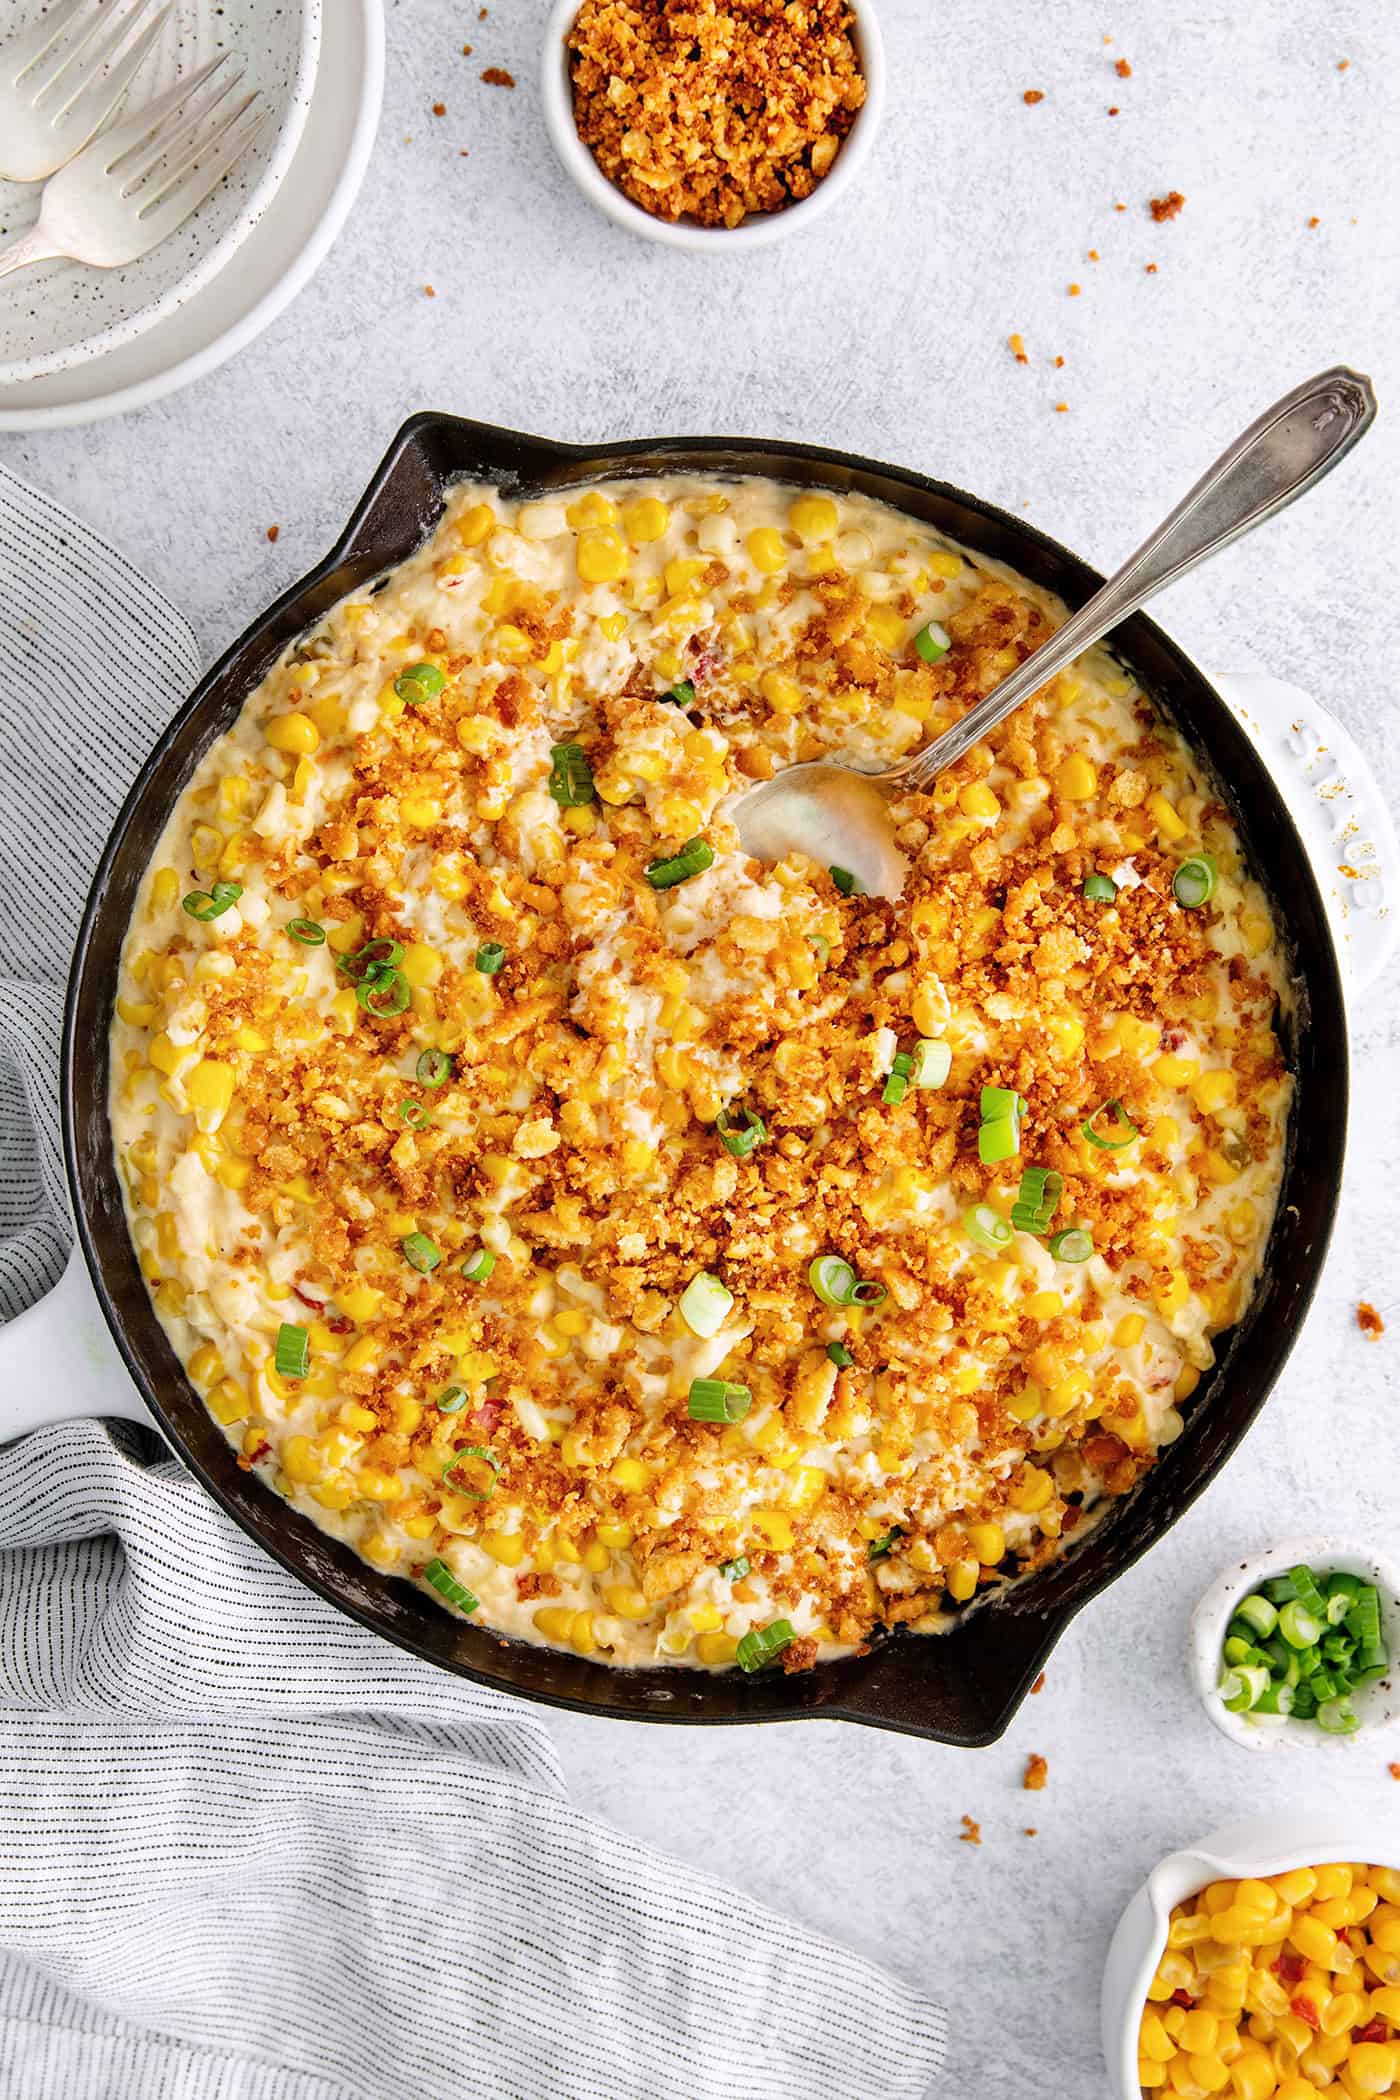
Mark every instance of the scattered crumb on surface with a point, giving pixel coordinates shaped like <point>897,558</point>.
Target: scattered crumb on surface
<point>1120,207</point>
<point>273,532</point>
<point>1037,1772</point>
<point>1093,255</point>
<point>1059,362</point>
<point>466,50</point>
<point>497,76</point>
<point>1033,95</point>
<point>1062,408</point>
<point>1394,1771</point>
<point>1167,207</point>
<point>971,1833</point>
<point>1113,109</point>
<point>1123,69</point>
<point>428,292</point>
<point>1314,222</point>
<point>1039,1685</point>
<point>1342,64</point>
<point>1074,291</point>
<point>1029,1831</point>
<point>1151,269</point>
<point>1369,1321</point>
<point>439,109</point>
<point>1016,344</point>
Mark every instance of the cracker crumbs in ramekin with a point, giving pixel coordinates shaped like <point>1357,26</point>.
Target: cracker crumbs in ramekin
<point>715,109</point>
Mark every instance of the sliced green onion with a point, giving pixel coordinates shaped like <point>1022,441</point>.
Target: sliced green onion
<point>1258,1614</point>
<point>292,1356</point>
<point>897,1085</point>
<point>880,1549</point>
<point>1341,1595</point>
<point>446,1584</point>
<point>840,1355</point>
<point>740,1138</point>
<point>1278,1699</point>
<point>434,1068</point>
<point>385,995</point>
<point>682,694</point>
<point>1363,1620</point>
<point>1279,1589</point>
<point>307,932</point>
<point>869,1293</point>
<point>414,1114</point>
<point>418,683</point>
<point>987,1227</point>
<point>821,948</point>
<point>1305,1589</point>
<point>1337,1717</point>
<point>763,1643</point>
<point>452,1399</point>
<point>704,1305</point>
<point>1237,1651</point>
<point>693,859</point>
<point>420,1253</point>
<point>849,885</point>
<point>1072,1245</point>
<point>932,1062</point>
<point>489,958</point>
<point>213,903</point>
<point>1241,1689</point>
<point>368,965</point>
<point>998,1139</point>
<point>716,1400</point>
<point>480,1266</point>
<point>998,1101</point>
<point>1298,1626</point>
<point>1037,1200</point>
<point>932,642</point>
<point>479,1456</point>
<point>1122,1121</point>
<point>1194,882</point>
<point>1100,889</point>
<point>833,1279</point>
<point>570,776</point>
<point>735,1570</point>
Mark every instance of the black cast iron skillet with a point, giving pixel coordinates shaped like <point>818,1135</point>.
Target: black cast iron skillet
<point>964,1687</point>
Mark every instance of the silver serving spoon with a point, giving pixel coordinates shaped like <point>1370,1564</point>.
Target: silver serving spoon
<point>840,815</point>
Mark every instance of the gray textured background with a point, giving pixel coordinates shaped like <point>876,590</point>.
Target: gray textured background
<point>884,329</point>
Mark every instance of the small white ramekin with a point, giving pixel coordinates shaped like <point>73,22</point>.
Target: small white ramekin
<point>1376,1707</point>
<point>1266,1845</point>
<point>556,98</point>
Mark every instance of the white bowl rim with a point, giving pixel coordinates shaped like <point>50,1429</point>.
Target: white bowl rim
<point>1259,1846</point>
<point>212,260</point>
<point>1378,1707</point>
<point>556,101</point>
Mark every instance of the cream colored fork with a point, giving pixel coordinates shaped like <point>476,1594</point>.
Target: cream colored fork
<point>137,182</point>
<point>57,89</point>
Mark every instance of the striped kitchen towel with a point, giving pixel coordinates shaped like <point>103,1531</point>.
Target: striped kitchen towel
<point>248,1851</point>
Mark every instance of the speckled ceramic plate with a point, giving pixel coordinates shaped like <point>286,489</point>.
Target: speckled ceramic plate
<point>60,314</point>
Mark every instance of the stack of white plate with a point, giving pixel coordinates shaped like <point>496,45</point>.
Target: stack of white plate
<point>77,343</point>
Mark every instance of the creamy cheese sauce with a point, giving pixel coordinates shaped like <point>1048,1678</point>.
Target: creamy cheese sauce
<point>474,1197</point>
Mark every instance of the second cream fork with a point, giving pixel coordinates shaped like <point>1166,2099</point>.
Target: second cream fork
<point>63,77</point>
<point>138,181</point>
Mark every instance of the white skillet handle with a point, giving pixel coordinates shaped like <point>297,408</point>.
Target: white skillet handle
<point>1340,809</point>
<point>58,1362</point>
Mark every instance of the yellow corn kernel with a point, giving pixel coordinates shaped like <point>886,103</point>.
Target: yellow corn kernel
<point>210,1086</point>
<point>638,1157</point>
<point>625,1602</point>
<point>962,1580</point>
<point>300,1460</point>
<point>716,1649</point>
<point>421,965</point>
<point>1164,816</point>
<point>783,694</point>
<point>336,1494</point>
<point>165,889</point>
<point>977,800</point>
<point>766,550</point>
<point>814,518</point>
<point>1213,1091</point>
<point>1295,1887</point>
<point>1151,2075</point>
<point>887,626</point>
<point>1313,1940</point>
<point>234,1174</point>
<point>327,714</point>
<point>1033,1491</point>
<point>206,1366</point>
<point>596,1557</point>
<point>509,644</point>
<point>601,556</point>
<point>616,1537</point>
<point>228,1402</point>
<point>137,1013</point>
<point>206,844</point>
<point>1169,1070</point>
<point>377,1486</point>
<point>630,1475</point>
<point>808,1486</point>
<point>988,1542</point>
<point>166,1056</point>
<point>1371,2067</point>
<point>295,733</point>
<point>379,1548</point>
<point>362,1355</point>
<point>572,1321</point>
<point>705,1618</point>
<point>555,1622</point>
<point>507,1547</point>
<point>1256,931</point>
<point>359,1303</point>
<point>1075,778</point>
<point>1045,1305</point>
<point>1129,1331</point>
<point>645,519</point>
<point>476,525</point>
<point>582,821</point>
<point>1135,1036</point>
<point>775,1526</point>
<point>1153,2039</point>
<point>1066,1032</point>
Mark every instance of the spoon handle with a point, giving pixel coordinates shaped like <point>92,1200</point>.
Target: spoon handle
<point>1291,446</point>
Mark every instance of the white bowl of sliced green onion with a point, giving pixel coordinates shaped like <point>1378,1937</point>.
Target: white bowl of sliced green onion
<point>1294,1645</point>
